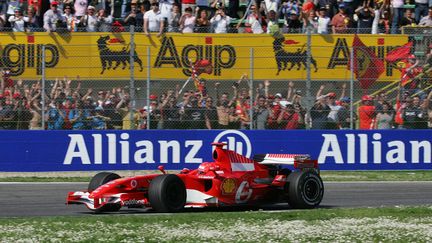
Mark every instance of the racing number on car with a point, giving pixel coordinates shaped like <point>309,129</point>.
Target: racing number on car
<point>244,192</point>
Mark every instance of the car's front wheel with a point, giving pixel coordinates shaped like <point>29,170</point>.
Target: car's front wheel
<point>99,180</point>
<point>305,189</point>
<point>167,193</point>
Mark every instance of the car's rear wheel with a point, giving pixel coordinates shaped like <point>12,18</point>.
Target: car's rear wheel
<point>167,193</point>
<point>99,180</point>
<point>305,189</point>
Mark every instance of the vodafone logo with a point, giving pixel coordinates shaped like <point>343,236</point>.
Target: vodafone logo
<point>236,141</point>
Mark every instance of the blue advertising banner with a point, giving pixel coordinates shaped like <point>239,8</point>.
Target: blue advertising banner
<point>176,149</point>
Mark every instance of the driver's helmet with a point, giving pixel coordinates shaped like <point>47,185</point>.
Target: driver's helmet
<point>204,167</point>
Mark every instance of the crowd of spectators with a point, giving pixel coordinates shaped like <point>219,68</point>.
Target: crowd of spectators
<point>67,106</point>
<point>218,16</point>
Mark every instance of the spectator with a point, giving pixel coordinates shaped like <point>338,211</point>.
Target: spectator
<point>384,23</point>
<point>90,21</point>
<point>223,108</point>
<point>272,22</point>
<point>140,17</point>
<point>270,5</point>
<point>428,105</point>
<point>427,20</point>
<point>202,24</point>
<point>55,116</point>
<point>397,10</point>
<point>210,114</point>
<point>71,21</point>
<point>275,110</point>
<point>18,21</point>
<point>382,99</point>
<point>11,6</point>
<point>130,116</point>
<point>187,21</point>
<point>366,113</point>
<point>131,16</point>
<point>36,111</point>
<point>165,7</point>
<point>289,117</point>
<point>220,21</point>
<point>98,120</point>
<point>408,19</point>
<point>155,114</point>
<point>328,5</point>
<point>421,9</point>
<point>323,22</point>
<point>6,111</point>
<point>80,7</point>
<point>341,21</point>
<point>2,21</point>
<point>293,24</point>
<point>104,21</point>
<point>53,18</point>
<point>79,117</point>
<point>365,16</point>
<point>344,114</point>
<point>319,113</point>
<point>170,114</point>
<point>289,6</point>
<point>21,115</point>
<point>260,114</point>
<point>153,21</point>
<point>332,121</point>
<point>188,3</point>
<point>203,5</point>
<point>310,20</point>
<point>253,21</point>
<point>174,19</point>
<point>384,117</point>
<point>194,114</point>
<point>349,6</point>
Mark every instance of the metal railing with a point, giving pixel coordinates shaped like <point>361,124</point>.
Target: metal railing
<point>130,81</point>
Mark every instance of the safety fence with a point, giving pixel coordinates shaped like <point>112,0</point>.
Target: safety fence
<point>210,81</point>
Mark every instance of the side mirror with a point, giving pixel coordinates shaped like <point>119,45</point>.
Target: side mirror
<point>162,169</point>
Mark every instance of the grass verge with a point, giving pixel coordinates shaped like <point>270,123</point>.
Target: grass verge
<point>388,224</point>
<point>415,175</point>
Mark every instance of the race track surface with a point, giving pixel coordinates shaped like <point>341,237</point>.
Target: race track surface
<point>48,199</point>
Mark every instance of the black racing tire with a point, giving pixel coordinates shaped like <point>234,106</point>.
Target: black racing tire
<point>167,194</point>
<point>99,180</point>
<point>305,189</point>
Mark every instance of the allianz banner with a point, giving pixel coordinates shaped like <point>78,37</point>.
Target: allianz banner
<point>177,149</point>
<point>107,55</point>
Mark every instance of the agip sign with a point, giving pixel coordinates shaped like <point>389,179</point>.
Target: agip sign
<point>107,55</point>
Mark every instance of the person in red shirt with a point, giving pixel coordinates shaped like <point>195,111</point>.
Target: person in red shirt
<point>289,116</point>
<point>366,113</point>
<point>341,21</point>
<point>275,110</point>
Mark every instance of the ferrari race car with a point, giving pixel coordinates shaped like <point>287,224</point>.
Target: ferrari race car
<point>231,179</point>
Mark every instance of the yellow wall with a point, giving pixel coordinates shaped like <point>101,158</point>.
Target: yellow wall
<point>78,54</point>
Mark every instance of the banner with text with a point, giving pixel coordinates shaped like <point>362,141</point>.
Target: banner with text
<point>177,149</point>
<point>107,55</point>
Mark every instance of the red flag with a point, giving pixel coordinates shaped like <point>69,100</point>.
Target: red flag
<point>367,66</point>
<point>291,42</point>
<point>399,53</point>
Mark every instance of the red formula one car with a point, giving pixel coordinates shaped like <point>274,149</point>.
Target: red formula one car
<point>231,179</point>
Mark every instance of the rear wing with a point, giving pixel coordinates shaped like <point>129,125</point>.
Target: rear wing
<point>299,161</point>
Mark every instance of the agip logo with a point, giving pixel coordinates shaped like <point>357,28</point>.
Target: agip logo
<point>236,141</point>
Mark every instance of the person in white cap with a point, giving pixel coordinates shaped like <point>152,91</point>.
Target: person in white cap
<point>90,20</point>
<point>52,17</point>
